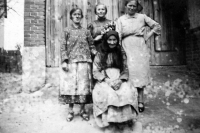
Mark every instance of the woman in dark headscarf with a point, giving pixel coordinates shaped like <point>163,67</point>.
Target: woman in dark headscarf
<point>114,101</point>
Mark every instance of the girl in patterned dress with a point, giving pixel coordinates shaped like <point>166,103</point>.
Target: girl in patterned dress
<point>75,80</point>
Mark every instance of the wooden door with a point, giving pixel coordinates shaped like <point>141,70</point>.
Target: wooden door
<point>57,18</point>
<point>167,49</point>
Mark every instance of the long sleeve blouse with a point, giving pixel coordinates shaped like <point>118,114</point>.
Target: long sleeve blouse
<point>76,45</point>
<point>135,25</point>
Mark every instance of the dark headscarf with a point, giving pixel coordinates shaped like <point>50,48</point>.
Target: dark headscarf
<point>115,52</point>
<point>105,38</point>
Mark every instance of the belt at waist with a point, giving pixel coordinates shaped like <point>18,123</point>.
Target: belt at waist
<point>132,35</point>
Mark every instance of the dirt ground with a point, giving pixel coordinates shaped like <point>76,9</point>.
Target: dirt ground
<point>172,106</point>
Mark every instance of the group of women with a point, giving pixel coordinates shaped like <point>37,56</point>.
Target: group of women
<point>116,62</point>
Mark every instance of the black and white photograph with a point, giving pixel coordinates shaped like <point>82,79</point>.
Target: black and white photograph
<point>99,66</point>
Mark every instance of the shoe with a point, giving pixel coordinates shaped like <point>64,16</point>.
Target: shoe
<point>140,107</point>
<point>70,116</point>
<point>84,115</point>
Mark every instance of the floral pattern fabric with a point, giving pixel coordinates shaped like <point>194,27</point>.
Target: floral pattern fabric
<point>75,84</point>
<point>76,45</point>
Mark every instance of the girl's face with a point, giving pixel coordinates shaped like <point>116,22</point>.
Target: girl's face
<point>112,41</point>
<point>77,16</point>
<point>131,7</point>
<point>101,11</point>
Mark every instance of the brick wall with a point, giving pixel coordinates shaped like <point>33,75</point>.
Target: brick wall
<point>34,23</point>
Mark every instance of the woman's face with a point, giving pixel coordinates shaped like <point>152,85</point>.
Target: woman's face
<point>131,7</point>
<point>76,16</point>
<point>101,11</point>
<point>112,41</point>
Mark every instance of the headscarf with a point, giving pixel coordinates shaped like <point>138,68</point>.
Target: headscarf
<point>116,52</point>
<point>110,33</point>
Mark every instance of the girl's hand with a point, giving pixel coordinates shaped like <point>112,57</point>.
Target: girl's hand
<point>65,67</point>
<point>99,37</point>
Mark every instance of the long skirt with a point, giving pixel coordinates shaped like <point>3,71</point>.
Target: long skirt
<point>111,105</point>
<point>137,60</point>
<point>75,85</point>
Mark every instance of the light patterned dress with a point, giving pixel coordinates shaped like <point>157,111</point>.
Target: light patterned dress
<point>131,30</point>
<point>75,84</point>
<point>111,105</point>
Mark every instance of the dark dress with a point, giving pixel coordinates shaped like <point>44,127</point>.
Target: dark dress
<point>95,28</point>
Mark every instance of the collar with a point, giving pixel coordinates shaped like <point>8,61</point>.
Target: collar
<point>102,19</point>
<point>133,16</point>
<point>74,27</point>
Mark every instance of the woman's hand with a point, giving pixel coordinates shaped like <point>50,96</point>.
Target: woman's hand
<point>117,84</point>
<point>114,84</point>
<point>65,66</point>
<point>107,80</point>
<point>99,37</point>
<point>94,52</point>
<point>146,38</point>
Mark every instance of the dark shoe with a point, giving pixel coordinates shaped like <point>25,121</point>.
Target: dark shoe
<point>140,106</point>
<point>70,116</point>
<point>84,115</point>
